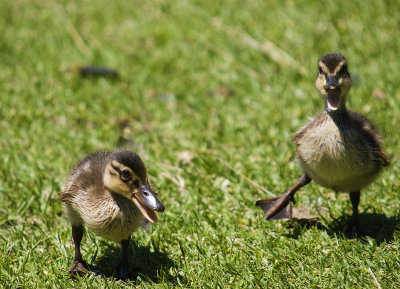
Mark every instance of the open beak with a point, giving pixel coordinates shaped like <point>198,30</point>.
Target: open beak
<point>332,88</point>
<point>147,203</point>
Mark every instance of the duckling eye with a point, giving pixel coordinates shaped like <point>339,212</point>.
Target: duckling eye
<point>320,70</point>
<point>125,175</point>
<point>343,70</point>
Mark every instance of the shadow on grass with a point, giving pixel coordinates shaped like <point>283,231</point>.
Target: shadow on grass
<point>378,226</point>
<point>145,264</point>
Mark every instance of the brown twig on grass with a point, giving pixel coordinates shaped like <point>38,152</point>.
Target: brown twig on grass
<point>373,276</point>
<point>259,187</point>
<point>71,29</point>
<point>229,58</point>
<point>267,47</point>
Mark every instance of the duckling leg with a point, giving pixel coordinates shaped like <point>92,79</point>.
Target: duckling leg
<point>79,265</point>
<point>280,207</point>
<point>353,227</point>
<point>123,266</point>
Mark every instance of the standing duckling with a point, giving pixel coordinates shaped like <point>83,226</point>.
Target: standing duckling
<point>338,149</point>
<point>109,193</point>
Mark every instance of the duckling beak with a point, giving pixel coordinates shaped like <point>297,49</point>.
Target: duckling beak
<point>332,88</point>
<point>147,203</point>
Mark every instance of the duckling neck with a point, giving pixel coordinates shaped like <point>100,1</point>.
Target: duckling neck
<point>338,116</point>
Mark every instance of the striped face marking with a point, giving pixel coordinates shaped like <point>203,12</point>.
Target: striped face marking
<point>125,172</point>
<point>121,179</point>
<point>333,80</point>
<point>324,69</point>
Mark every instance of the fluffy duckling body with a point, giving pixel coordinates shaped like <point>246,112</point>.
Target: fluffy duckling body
<point>109,193</point>
<point>338,149</point>
<point>340,152</point>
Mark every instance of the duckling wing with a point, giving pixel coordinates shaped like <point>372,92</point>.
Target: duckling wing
<point>383,158</point>
<point>370,135</point>
<point>66,197</point>
<point>87,175</point>
<point>313,122</point>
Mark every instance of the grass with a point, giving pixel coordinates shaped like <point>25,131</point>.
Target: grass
<point>205,86</point>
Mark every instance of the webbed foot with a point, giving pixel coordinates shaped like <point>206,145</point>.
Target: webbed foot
<point>281,207</point>
<point>277,208</point>
<point>81,267</point>
<point>123,271</point>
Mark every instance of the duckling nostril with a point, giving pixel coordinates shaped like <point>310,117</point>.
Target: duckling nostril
<point>146,193</point>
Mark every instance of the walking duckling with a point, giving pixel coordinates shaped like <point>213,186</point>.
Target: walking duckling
<point>338,149</point>
<point>109,193</point>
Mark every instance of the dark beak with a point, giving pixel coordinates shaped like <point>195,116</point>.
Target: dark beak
<point>332,88</point>
<point>332,82</point>
<point>148,198</point>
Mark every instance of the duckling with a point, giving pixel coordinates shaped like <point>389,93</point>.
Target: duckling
<point>338,149</point>
<point>109,193</point>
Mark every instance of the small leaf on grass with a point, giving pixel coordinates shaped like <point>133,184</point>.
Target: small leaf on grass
<point>185,157</point>
<point>222,90</point>
<point>379,94</point>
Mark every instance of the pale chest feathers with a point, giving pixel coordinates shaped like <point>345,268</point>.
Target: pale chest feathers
<point>336,158</point>
<point>112,218</point>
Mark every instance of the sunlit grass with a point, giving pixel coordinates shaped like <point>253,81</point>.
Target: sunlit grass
<point>206,108</point>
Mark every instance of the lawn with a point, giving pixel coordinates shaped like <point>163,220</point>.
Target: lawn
<point>209,95</point>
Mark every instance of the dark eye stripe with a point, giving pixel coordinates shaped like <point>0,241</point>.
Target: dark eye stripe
<point>321,71</point>
<point>343,69</point>
<point>115,168</point>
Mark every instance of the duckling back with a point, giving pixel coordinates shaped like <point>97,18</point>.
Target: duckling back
<point>86,174</point>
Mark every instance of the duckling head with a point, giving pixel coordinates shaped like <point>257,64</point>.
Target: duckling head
<point>333,80</point>
<point>125,174</point>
